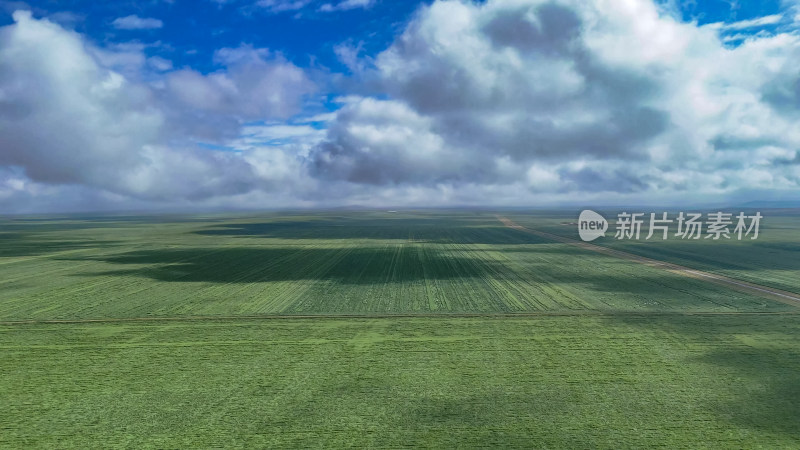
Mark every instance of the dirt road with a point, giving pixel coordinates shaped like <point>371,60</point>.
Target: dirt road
<point>789,298</point>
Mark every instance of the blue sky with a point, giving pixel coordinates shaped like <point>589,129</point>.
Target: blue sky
<point>192,30</point>
<point>279,103</point>
<point>727,11</point>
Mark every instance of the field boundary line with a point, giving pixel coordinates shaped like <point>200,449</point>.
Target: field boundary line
<point>779,295</point>
<point>517,315</point>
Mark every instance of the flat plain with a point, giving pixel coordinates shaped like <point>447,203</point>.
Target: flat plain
<point>773,259</point>
<point>417,328</point>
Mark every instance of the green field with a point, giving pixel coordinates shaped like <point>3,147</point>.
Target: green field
<point>424,328</point>
<point>772,260</point>
<point>588,382</point>
<point>359,263</point>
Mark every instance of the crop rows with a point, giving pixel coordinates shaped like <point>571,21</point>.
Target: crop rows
<point>771,260</point>
<point>356,265</point>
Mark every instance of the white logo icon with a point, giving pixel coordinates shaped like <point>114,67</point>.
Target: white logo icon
<point>591,225</point>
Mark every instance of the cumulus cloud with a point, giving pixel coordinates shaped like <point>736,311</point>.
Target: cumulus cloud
<point>251,86</point>
<point>67,119</point>
<point>564,97</point>
<point>499,102</point>
<point>134,22</point>
<point>376,142</point>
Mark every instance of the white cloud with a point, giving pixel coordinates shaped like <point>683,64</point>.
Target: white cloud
<point>69,120</point>
<point>747,24</point>
<point>160,64</point>
<point>383,141</point>
<point>542,179</point>
<point>280,6</point>
<point>258,136</point>
<point>503,102</point>
<point>612,97</point>
<point>277,6</point>
<point>324,117</point>
<point>252,86</point>
<point>134,22</point>
<point>349,55</point>
<point>345,5</point>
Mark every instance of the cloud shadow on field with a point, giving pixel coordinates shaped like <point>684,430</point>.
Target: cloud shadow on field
<point>618,281</point>
<point>359,265</point>
<point>774,405</point>
<point>722,255</point>
<point>14,244</point>
<point>396,229</point>
<point>757,353</point>
<point>395,264</point>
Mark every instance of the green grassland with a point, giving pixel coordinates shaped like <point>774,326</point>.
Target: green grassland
<point>424,328</point>
<point>722,381</point>
<point>772,260</point>
<point>358,263</point>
